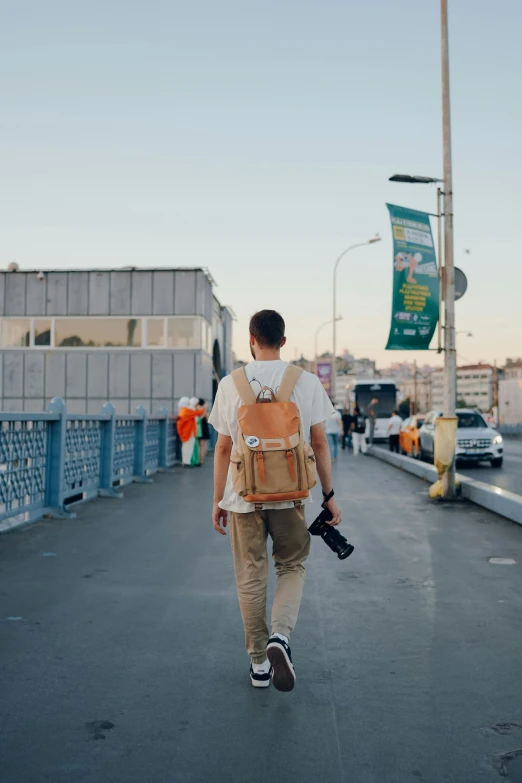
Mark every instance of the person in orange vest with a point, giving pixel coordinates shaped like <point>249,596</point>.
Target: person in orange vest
<point>188,414</point>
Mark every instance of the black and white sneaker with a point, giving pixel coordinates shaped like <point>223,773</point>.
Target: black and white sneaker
<point>279,655</point>
<point>260,679</point>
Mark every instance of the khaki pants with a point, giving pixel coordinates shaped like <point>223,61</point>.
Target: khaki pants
<point>291,545</point>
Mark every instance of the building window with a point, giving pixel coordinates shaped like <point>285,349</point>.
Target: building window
<point>183,333</point>
<point>98,333</point>
<point>16,333</point>
<point>42,332</point>
<point>191,332</point>
<point>156,332</point>
<point>206,336</point>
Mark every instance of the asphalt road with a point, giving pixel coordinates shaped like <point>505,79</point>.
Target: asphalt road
<point>509,476</point>
<point>122,661</point>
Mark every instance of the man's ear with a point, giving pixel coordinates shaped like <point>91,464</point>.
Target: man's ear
<point>252,340</point>
<point>283,342</point>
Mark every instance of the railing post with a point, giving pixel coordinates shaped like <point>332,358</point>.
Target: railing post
<point>106,489</point>
<point>55,479</point>
<point>141,443</point>
<point>163,460</point>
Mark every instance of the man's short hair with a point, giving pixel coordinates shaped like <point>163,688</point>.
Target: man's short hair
<point>268,327</point>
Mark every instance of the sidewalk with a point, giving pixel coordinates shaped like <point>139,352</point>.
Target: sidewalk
<point>407,654</point>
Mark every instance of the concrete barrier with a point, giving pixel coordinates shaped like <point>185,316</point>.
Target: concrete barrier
<point>507,504</point>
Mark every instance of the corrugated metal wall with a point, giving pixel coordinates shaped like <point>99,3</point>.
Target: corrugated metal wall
<point>120,292</point>
<point>86,379</point>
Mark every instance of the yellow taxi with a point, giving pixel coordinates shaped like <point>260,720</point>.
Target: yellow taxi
<point>409,436</point>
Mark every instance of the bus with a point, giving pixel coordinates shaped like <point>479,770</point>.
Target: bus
<point>386,392</point>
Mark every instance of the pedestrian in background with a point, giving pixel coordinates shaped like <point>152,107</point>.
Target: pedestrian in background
<point>204,437</point>
<point>394,430</point>
<point>372,416</point>
<point>188,413</point>
<point>346,440</point>
<point>333,428</point>
<point>358,428</point>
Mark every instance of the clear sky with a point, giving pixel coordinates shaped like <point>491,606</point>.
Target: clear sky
<point>257,139</point>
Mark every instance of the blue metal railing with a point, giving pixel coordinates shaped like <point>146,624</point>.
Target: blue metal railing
<point>48,461</point>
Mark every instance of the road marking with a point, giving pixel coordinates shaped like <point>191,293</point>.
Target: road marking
<point>502,561</point>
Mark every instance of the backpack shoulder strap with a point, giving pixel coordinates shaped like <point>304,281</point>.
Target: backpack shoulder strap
<point>288,383</point>
<point>245,391</point>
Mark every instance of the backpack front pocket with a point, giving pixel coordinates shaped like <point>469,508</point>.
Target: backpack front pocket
<point>310,466</point>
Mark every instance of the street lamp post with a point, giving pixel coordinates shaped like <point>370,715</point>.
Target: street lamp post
<point>325,323</point>
<point>335,319</point>
<point>450,354</point>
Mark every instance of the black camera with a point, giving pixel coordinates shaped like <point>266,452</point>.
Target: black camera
<point>330,535</point>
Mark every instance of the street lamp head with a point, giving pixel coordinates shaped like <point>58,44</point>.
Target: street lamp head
<point>376,238</point>
<point>414,180</point>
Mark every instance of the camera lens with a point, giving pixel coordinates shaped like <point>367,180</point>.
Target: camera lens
<point>344,551</point>
<point>337,542</point>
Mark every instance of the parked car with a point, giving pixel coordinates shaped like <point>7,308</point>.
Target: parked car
<point>476,441</point>
<point>409,436</point>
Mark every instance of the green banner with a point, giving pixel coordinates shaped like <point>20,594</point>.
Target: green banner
<point>415,281</point>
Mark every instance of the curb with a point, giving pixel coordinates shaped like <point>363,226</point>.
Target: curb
<point>500,501</point>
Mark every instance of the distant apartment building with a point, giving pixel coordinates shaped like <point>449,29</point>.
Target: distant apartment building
<point>363,368</point>
<point>130,336</point>
<point>513,369</point>
<point>419,390</point>
<point>510,402</point>
<point>475,386</point>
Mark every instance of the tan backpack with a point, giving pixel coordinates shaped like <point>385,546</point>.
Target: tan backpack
<point>271,462</point>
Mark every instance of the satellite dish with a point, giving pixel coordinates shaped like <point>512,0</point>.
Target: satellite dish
<point>461,283</point>
<point>13,267</point>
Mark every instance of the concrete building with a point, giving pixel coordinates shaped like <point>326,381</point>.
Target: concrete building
<point>510,402</point>
<point>407,389</point>
<point>513,369</point>
<point>475,385</point>
<point>363,368</point>
<point>131,336</point>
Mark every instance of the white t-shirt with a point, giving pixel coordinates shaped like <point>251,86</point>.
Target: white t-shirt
<point>332,424</point>
<point>395,425</point>
<point>309,396</point>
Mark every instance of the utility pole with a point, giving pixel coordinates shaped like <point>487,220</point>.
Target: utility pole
<point>450,354</point>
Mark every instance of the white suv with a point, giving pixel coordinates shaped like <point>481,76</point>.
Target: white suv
<point>476,441</point>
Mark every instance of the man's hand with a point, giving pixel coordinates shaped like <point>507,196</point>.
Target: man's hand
<point>219,519</point>
<point>335,511</point>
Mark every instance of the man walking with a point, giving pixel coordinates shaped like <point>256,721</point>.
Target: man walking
<point>372,416</point>
<point>358,430</point>
<point>347,429</point>
<point>250,524</point>
<point>333,429</point>
<point>394,431</point>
